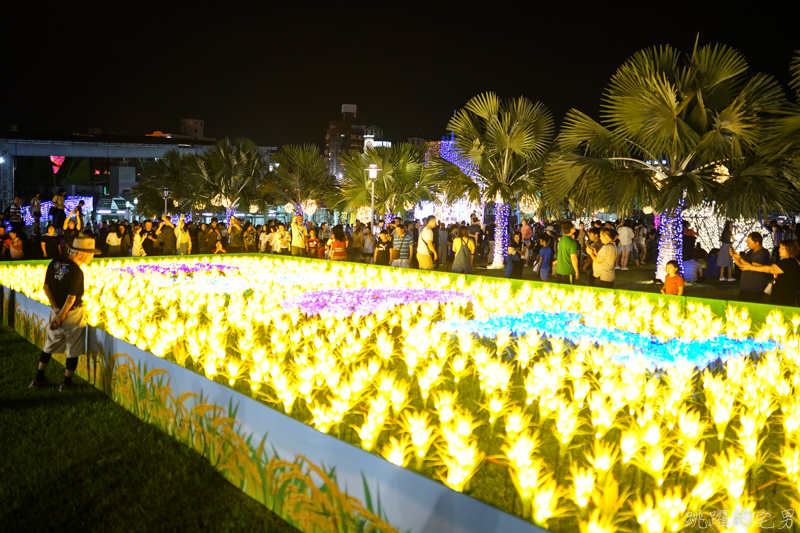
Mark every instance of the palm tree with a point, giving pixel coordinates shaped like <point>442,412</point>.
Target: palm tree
<point>675,130</point>
<point>507,142</point>
<point>783,143</point>
<point>400,184</point>
<point>300,175</point>
<point>169,171</point>
<point>233,173</point>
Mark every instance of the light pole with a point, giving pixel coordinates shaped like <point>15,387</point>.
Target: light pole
<point>128,209</point>
<point>373,175</point>
<point>166,194</point>
<point>135,203</point>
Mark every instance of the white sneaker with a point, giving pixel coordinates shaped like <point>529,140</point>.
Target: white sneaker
<point>722,279</point>
<point>731,279</point>
<point>624,268</point>
<point>616,268</point>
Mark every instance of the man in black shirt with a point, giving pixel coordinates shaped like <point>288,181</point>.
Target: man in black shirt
<point>383,249</point>
<point>66,331</point>
<point>149,239</point>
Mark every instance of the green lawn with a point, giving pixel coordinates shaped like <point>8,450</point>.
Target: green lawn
<point>79,462</point>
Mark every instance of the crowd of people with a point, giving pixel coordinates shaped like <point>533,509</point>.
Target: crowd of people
<point>558,252</point>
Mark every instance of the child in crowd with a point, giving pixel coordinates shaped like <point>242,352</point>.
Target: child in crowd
<point>545,260</point>
<point>513,264</point>
<point>219,248</point>
<point>312,244</point>
<point>673,282</point>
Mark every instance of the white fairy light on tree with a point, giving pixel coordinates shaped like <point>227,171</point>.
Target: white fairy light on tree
<point>709,225</point>
<point>309,207</point>
<point>528,205</point>
<point>253,209</point>
<point>289,208</point>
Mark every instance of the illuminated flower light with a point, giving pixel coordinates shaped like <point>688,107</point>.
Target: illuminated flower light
<point>632,347</point>
<point>289,208</point>
<point>362,302</point>
<point>174,269</point>
<point>222,201</point>
<point>253,209</point>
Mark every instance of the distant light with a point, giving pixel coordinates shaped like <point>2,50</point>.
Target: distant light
<point>208,214</point>
<point>120,211</point>
<point>2,160</point>
<point>104,211</point>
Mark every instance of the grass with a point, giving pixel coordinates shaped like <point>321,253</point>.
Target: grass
<point>79,462</point>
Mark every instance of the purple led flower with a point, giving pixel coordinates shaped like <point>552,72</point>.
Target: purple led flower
<point>173,269</point>
<point>362,302</point>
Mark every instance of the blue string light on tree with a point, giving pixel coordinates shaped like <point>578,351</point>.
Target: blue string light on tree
<point>500,232</point>
<point>670,242</point>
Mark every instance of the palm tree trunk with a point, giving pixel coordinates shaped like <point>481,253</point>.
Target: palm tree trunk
<point>670,242</point>
<point>500,234</point>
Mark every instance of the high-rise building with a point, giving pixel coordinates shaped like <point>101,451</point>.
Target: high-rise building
<point>343,136</point>
<point>192,128</point>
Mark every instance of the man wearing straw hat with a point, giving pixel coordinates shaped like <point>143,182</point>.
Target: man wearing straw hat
<point>66,331</point>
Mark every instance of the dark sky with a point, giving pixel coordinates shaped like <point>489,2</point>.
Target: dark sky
<point>278,72</point>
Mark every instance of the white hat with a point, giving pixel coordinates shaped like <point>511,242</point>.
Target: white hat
<point>84,244</point>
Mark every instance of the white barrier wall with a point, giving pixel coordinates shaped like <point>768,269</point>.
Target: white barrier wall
<point>269,455</point>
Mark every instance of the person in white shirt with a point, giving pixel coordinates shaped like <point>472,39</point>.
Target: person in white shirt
<point>263,239</point>
<point>426,251</point>
<point>114,243</point>
<point>625,234</point>
<point>137,250</point>
<point>183,241</point>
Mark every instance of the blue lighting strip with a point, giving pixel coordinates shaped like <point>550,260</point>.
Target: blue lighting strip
<point>632,346</point>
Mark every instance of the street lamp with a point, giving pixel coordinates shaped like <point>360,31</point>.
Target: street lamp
<point>128,210</point>
<point>372,172</point>
<point>166,194</point>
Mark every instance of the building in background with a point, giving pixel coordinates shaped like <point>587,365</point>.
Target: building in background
<point>419,142</point>
<point>190,129</point>
<point>343,136</point>
<point>84,165</point>
<point>373,138</point>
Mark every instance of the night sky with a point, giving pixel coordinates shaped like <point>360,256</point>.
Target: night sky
<point>279,72</point>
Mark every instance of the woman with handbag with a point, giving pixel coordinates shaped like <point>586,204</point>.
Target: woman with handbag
<point>783,291</point>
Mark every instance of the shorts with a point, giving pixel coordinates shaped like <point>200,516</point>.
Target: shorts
<point>425,262</point>
<point>402,263</point>
<point>70,337</point>
<point>544,274</point>
<point>626,247</point>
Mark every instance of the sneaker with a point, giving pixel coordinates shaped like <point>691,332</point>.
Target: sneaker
<point>722,279</point>
<point>731,279</point>
<point>624,268</point>
<point>41,384</point>
<point>616,268</point>
<point>70,386</point>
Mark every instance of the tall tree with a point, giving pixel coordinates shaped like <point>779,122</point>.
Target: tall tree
<point>401,182</point>
<point>676,130</point>
<point>233,174</point>
<point>300,175</point>
<point>506,142</point>
<point>168,171</point>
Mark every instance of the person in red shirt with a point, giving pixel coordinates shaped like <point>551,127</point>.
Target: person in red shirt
<point>673,282</point>
<point>312,245</point>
